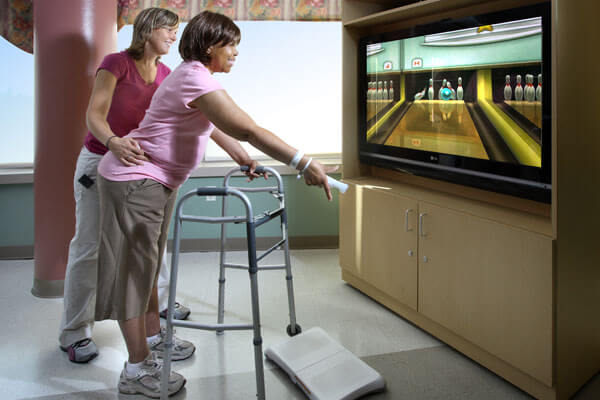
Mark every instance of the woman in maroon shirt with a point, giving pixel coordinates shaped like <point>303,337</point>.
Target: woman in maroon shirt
<point>125,83</point>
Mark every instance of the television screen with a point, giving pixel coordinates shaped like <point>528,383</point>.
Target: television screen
<point>462,100</point>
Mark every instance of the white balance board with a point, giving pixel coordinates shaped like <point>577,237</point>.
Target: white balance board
<point>323,369</point>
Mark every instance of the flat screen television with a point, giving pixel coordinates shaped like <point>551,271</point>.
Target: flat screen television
<point>461,100</point>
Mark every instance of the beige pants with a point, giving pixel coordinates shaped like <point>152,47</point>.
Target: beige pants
<point>134,223</point>
<point>79,299</point>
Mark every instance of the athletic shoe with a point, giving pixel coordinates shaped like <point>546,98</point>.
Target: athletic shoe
<point>81,351</point>
<point>147,380</point>
<point>179,312</point>
<point>181,349</point>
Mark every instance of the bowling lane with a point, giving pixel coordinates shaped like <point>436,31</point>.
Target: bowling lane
<point>375,106</point>
<point>438,126</point>
<point>532,110</point>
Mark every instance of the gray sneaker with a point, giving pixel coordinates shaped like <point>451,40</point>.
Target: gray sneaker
<point>147,381</point>
<point>181,349</point>
<point>81,351</point>
<point>180,312</point>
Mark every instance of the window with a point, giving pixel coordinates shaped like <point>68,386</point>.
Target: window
<point>16,105</point>
<point>287,77</point>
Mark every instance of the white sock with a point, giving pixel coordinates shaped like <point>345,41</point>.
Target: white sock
<point>132,369</point>
<point>153,339</point>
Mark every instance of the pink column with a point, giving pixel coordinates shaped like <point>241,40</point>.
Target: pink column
<point>70,39</point>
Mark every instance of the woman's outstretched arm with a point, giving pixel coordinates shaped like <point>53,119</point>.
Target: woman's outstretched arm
<point>222,111</point>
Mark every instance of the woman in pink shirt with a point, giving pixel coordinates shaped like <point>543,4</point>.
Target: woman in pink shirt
<point>137,200</point>
<point>125,83</point>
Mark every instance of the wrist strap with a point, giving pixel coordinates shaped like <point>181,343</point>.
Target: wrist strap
<point>304,169</point>
<point>109,139</point>
<point>297,157</point>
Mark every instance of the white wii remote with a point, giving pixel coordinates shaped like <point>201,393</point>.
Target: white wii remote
<point>334,183</point>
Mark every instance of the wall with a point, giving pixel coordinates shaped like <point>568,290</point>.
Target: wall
<point>309,214</point>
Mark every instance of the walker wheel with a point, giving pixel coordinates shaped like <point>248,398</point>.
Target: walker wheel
<point>289,330</point>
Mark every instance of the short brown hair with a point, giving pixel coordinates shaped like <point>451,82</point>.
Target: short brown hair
<point>205,30</point>
<point>145,23</point>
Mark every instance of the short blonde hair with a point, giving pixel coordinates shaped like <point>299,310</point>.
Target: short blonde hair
<point>145,23</point>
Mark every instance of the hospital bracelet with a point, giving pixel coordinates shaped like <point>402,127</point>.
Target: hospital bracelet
<point>304,169</point>
<point>297,157</point>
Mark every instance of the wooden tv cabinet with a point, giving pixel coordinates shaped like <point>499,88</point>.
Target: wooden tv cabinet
<point>511,283</point>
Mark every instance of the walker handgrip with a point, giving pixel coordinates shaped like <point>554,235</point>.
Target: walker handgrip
<point>334,183</point>
<point>258,170</point>
<point>211,191</point>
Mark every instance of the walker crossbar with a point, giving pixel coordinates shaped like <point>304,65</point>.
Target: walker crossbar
<point>212,327</point>
<point>266,217</point>
<point>252,222</point>
<point>240,266</point>
<point>213,220</point>
<point>270,250</point>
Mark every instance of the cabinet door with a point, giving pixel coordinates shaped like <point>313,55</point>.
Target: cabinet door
<point>388,259</point>
<point>490,283</point>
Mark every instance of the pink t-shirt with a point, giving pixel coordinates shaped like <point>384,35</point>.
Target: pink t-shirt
<point>131,97</point>
<point>172,134</point>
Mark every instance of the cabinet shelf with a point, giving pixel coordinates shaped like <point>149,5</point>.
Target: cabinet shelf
<point>410,11</point>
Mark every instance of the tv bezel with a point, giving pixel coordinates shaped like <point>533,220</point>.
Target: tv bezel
<point>513,179</point>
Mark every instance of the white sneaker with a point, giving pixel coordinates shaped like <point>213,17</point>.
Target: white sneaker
<point>179,312</point>
<point>147,380</point>
<point>181,349</point>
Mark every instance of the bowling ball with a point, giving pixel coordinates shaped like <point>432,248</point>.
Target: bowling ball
<point>446,94</point>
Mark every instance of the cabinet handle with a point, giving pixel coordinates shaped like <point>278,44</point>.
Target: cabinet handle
<point>406,214</point>
<point>421,231</point>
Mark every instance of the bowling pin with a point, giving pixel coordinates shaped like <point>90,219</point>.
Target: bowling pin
<point>385,90</point>
<point>391,92</point>
<point>379,90</point>
<point>459,90</point>
<point>430,91</point>
<point>529,92</point>
<point>442,88</point>
<point>420,94</point>
<point>507,89</point>
<point>518,89</point>
<point>538,89</point>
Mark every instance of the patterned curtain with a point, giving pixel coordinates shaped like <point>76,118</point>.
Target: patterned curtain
<point>16,23</point>
<point>16,16</point>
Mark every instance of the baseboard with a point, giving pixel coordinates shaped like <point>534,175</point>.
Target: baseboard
<point>48,289</point>
<point>262,243</point>
<point>16,252</point>
<point>189,245</point>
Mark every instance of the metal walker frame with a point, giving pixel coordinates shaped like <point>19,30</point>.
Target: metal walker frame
<point>252,222</point>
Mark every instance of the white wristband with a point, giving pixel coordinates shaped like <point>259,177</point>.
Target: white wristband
<point>304,169</point>
<point>297,157</point>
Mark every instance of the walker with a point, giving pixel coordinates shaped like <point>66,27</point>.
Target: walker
<point>252,222</point>
<point>322,368</point>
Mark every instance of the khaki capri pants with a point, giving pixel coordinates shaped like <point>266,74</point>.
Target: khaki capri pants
<point>134,224</point>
